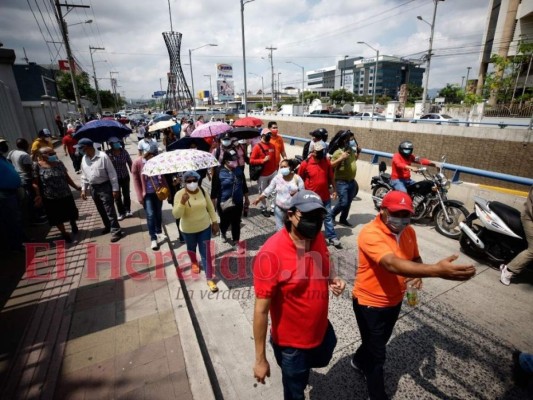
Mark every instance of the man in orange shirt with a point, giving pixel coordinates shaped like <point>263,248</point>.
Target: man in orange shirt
<point>277,141</point>
<point>388,258</point>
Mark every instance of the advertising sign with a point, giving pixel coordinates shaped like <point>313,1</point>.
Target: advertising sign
<point>224,71</point>
<point>225,90</point>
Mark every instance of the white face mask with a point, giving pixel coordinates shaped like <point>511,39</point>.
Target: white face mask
<point>226,143</point>
<point>192,186</point>
<point>285,171</point>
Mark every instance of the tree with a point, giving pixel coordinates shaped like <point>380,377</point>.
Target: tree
<point>414,93</point>
<point>107,99</point>
<point>452,93</point>
<point>66,91</point>
<point>338,96</point>
<point>310,96</point>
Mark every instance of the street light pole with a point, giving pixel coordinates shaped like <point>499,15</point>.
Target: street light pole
<point>426,77</point>
<point>210,88</point>
<point>375,77</point>
<point>272,68</point>
<point>94,76</point>
<point>192,76</point>
<point>467,74</point>
<point>303,79</point>
<point>245,97</point>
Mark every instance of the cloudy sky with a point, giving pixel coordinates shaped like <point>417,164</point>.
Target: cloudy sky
<point>311,33</point>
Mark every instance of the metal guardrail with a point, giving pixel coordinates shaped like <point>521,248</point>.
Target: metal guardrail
<point>456,169</point>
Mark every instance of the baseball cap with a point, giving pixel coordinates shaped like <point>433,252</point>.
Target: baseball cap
<point>306,201</point>
<point>113,139</point>
<point>2,140</point>
<point>397,200</point>
<point>44,132</point>
<point>319,146</point>
<point>265,132</point>
<point>85,142</point>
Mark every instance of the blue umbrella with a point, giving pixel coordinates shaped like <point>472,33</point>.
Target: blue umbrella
<point>101,130</point>
<point>162,117</point>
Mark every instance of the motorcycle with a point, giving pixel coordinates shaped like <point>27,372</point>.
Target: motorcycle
<point>494,231</point>
<point>429,197</point>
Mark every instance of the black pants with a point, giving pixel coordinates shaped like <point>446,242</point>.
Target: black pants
<point>375,325</point>
<point>76,161</point>
<point>102,195</point>
<point>123,201</point>
<point>231,217</point>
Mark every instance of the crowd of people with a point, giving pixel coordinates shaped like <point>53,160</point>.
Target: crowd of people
<point>305,195</point>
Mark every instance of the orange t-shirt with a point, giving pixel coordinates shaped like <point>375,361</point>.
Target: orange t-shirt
<point>374,285</point>
<point>278,143</point>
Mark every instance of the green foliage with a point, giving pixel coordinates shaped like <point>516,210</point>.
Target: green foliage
<point>452,93</point>
<point>338,96</point>
<point>471,98</point>
<point>383,99</point>
<point>363,99</point>
<point>259,106</point>
<point>414,93</point>
<point>310,96</point>
<point>66,91</point>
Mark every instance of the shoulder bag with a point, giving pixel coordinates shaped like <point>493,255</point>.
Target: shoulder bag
<point>162,192</point>
<point>255,170</point>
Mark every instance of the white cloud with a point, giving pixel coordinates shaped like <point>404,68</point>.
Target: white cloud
<point>311,33</point>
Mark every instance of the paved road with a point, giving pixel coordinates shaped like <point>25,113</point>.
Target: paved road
<point>456,344</point>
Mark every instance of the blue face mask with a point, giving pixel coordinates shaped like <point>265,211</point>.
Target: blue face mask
<point>353,143</point>
<point>117,145</point>
<point>53,158</point>
<point>284,171</point>
<point>81,151</point>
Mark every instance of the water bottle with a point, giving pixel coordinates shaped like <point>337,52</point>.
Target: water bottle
<point>412,295</point>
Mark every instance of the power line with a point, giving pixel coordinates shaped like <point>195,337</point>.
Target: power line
<point>40,30</point>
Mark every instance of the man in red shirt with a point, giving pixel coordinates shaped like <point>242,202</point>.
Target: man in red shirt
<point>401,166</point>
<point>317,175</point>
<point>68,146</point>
<point>291,280</point>
<point>264,153</point>
<point>388,254</point>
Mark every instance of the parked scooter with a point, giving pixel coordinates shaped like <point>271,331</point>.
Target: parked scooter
<point>493,231</point>
<point>429,197</point>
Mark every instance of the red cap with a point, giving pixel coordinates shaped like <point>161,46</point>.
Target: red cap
<point>396,200</point>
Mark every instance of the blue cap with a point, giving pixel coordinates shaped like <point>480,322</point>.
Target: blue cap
<point>85,142</point>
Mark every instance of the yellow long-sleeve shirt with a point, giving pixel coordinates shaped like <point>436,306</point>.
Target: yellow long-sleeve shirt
<point>196,214</point>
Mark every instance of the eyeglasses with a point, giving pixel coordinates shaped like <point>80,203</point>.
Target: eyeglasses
<point>191,180</point>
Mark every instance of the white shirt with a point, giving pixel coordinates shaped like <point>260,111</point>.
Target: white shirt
<point>144,144</point>
<point>97,170</point>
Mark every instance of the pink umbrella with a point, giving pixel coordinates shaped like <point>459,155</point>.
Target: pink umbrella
<point>211,129</point>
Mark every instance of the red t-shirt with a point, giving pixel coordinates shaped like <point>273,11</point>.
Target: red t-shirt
<point>297,284</point>
<point>317,176</point>
<point>259,152</point>
<point>399,164</point>
<point>70,142</point>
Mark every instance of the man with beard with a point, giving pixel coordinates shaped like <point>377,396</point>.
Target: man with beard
<point>292,276</point>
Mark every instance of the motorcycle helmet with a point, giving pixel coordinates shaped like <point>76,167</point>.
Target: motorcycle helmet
<point>320,134</point>
<point>406,148</point>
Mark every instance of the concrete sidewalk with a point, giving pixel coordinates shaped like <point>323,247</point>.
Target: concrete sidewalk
<point>112,327</point>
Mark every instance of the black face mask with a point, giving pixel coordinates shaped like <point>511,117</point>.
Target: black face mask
<point>309,227</point>
<point>319,155</point>
<point>266,138</point>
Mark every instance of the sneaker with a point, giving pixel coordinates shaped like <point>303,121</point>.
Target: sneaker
<point>212,286</point>
<point>355,366</point>
<point>265,212</point>
<point>121,217</point>
<point>129,214</point>
<point>161,237</point>
<point>336,243</point>
<point>506,275</point>
<point>345,223</point>
<point>154,245</point>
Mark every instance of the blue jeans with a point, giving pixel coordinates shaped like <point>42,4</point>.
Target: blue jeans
<point>279,215</point>
<point>152,207</point>
<point>10,220</point>
<point>401,184</point>
<point>297,363</point>
<point>346,193</point>
<point>201,240</point>
<point>328,222</point>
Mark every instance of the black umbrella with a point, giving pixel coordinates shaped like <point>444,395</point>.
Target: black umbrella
<point>101,130</point>
<point>186,143</point>
<point>244,133</point>
<point>162,117</point>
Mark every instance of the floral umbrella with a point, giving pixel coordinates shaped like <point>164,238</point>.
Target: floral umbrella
<point>171,162</point>
<point>211,129</point>
<point>161,125</point>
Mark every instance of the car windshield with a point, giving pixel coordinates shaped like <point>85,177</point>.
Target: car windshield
<point>446,116</point>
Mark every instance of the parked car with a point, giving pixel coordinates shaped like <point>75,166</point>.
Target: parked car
<point>136,119</point>
<point>367,116</point>
<point>438,119</point>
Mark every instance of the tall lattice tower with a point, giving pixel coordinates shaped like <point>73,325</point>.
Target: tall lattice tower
<point>178,93</point>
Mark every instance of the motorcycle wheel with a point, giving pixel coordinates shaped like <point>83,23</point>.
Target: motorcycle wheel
<point>379,191</point>
<point>457,214</point>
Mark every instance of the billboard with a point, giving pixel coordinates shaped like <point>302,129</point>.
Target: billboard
<point>224,71</point>
<point>225,90</point>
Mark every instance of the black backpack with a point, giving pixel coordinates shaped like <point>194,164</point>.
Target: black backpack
<point>334,143</point>
<point>305,151</point>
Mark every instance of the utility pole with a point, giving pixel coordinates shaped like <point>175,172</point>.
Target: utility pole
<point>271,49</point>
<point>70,58</point>
<point>467,74</point>
<point>114,88</point>
<point>94,76</point>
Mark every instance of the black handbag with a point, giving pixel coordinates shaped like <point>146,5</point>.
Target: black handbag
<point>255,170</point>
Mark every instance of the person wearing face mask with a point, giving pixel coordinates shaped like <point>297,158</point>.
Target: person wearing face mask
<point>229,182</point>
<point>51,183</point>
<point>121,160</point>
<point>344,163</point>
<point>277,141</point>
<point>292,280</point>
<point>44,139</point>
<point>264,153</point>
<point>286,184</point>
<point>11,234</point>
<point>388,259</point>
<point>146,187</point>
<point>198,221</point>
<point>317,175</point>
<point>401,166</point>
<point>68,147</point>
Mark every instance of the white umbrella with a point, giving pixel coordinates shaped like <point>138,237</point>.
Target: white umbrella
<point>161,125</point>
<point>179,161</point>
